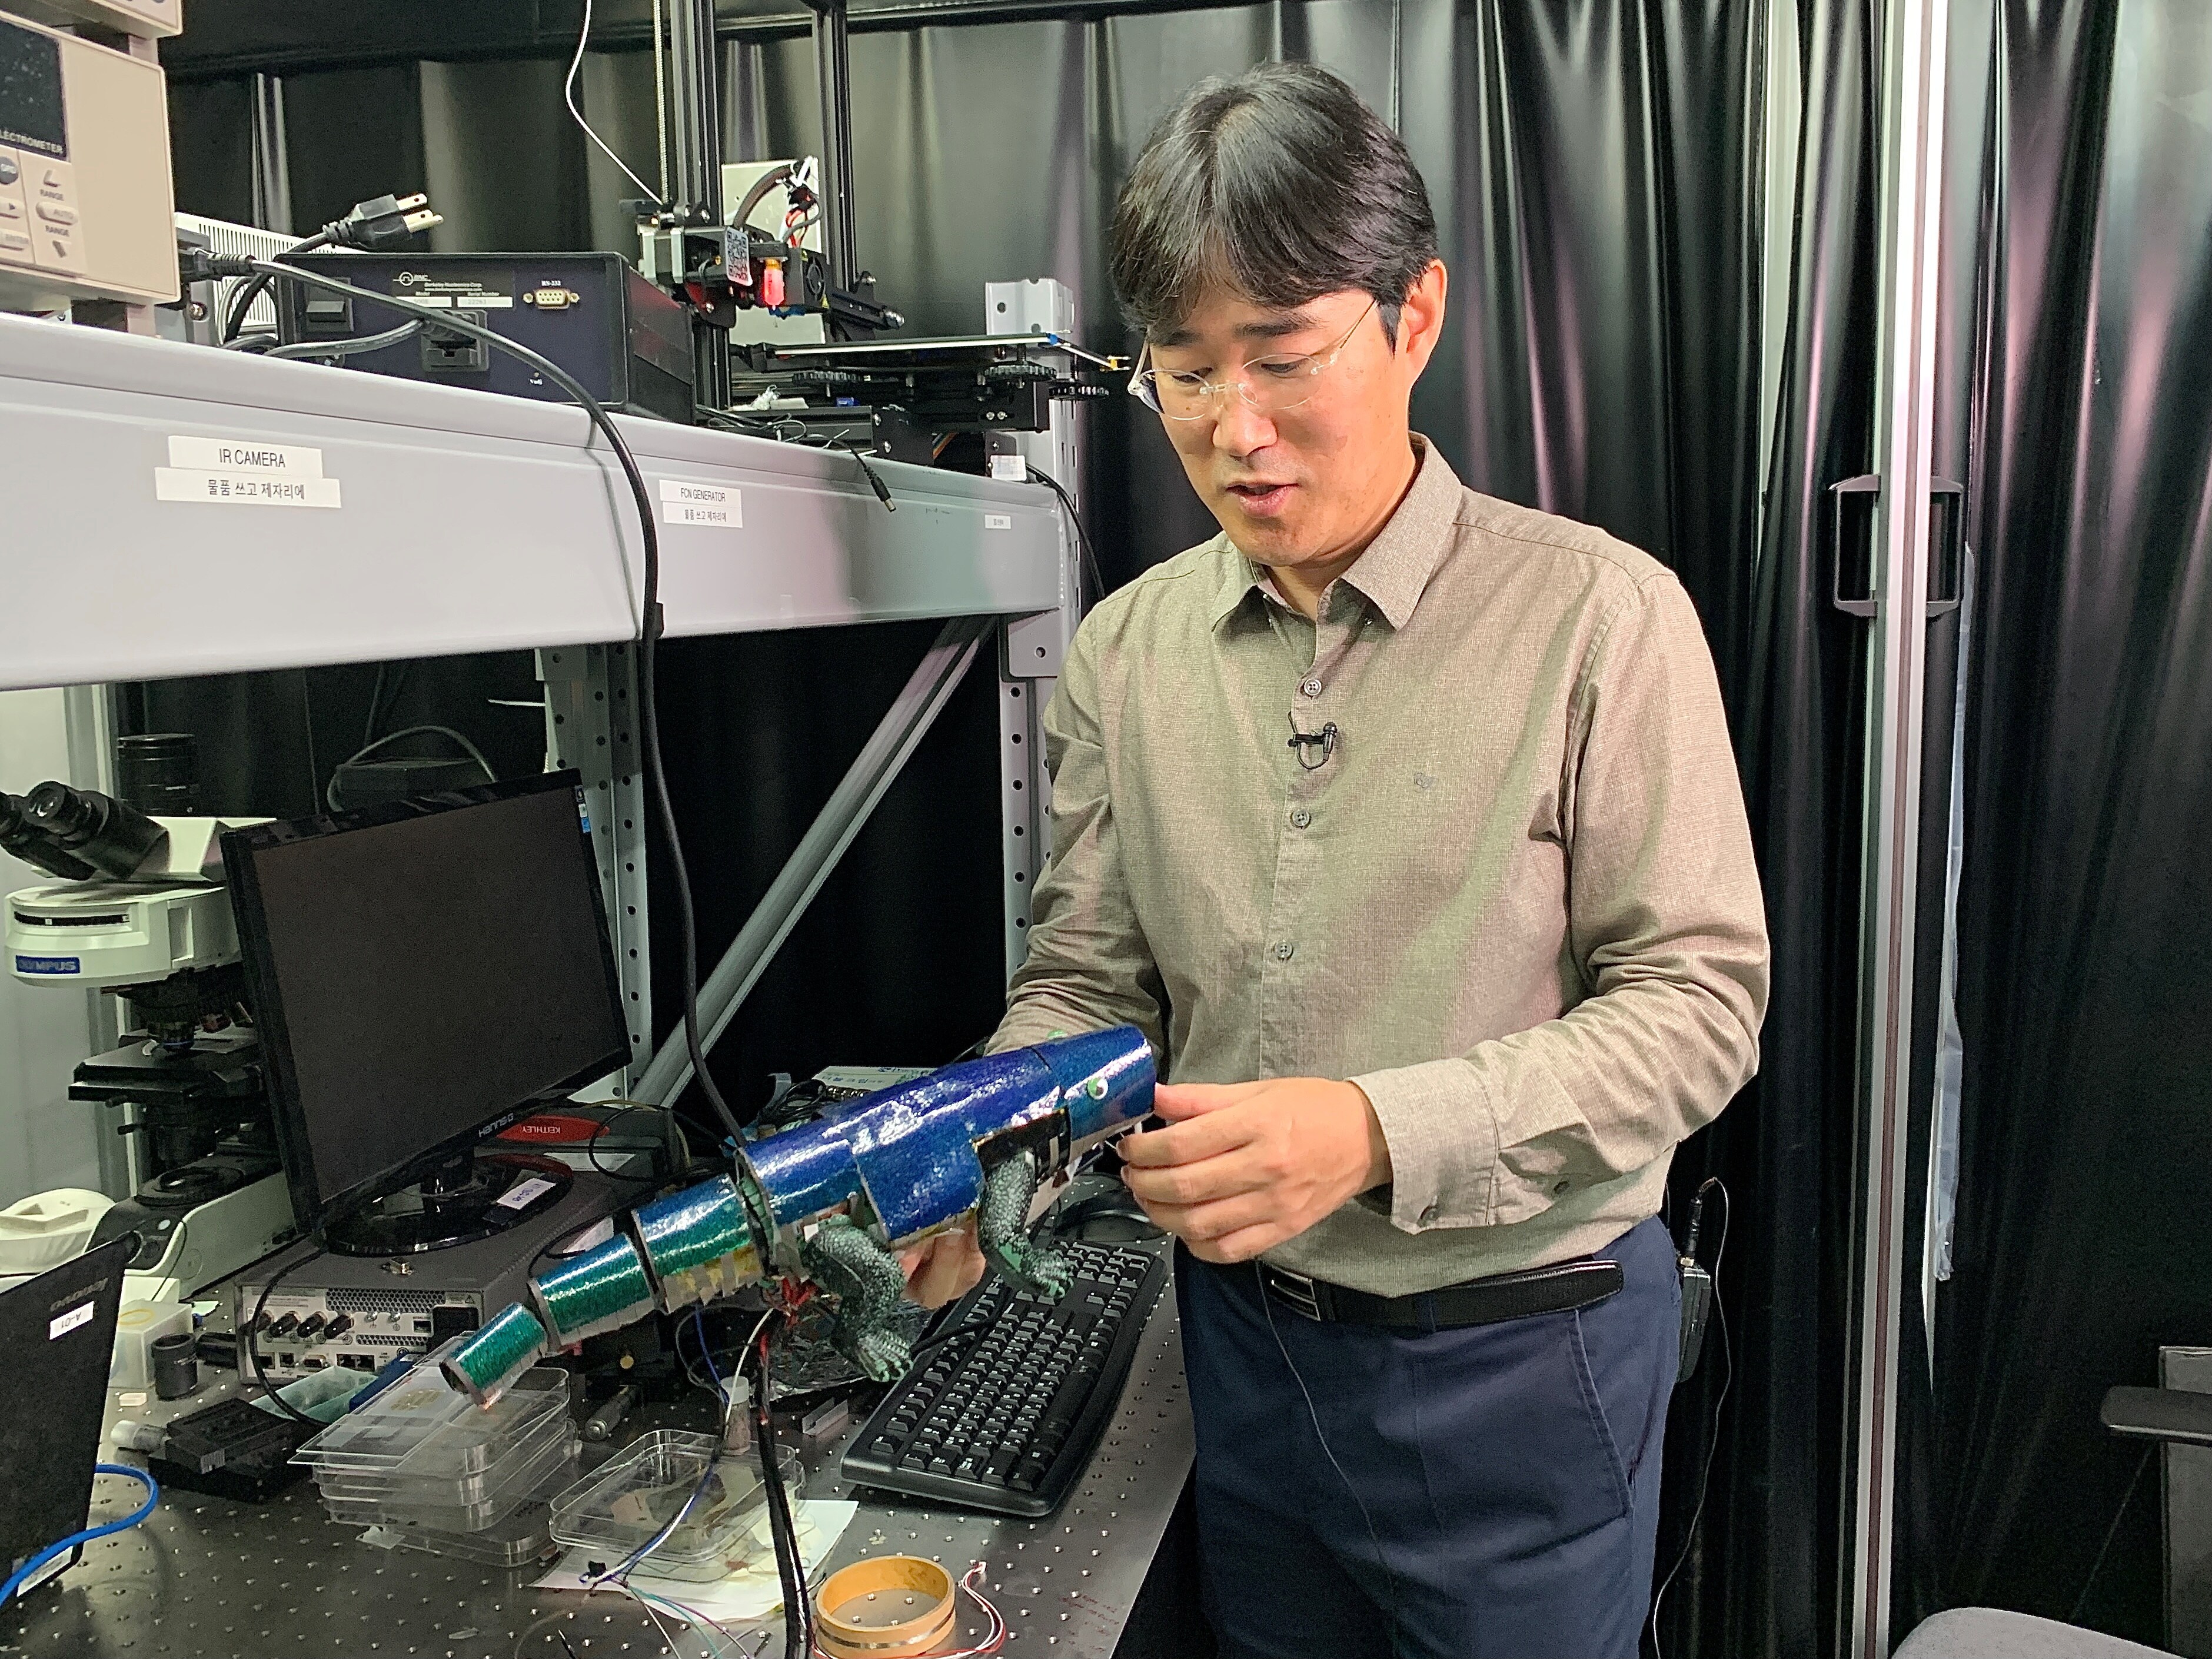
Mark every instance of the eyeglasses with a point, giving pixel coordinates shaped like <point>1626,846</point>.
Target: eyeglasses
<point>1269,384</point>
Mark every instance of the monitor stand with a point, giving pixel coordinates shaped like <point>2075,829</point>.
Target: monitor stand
<point>471,1197</point>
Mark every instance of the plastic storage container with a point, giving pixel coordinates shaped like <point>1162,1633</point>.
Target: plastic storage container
<point>424,1463</point>
<point>421,1428</point>
<point>524,1538</point>
<point>624,1505</point>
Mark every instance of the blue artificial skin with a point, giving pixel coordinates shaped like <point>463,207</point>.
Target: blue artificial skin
<point>913,1149</point>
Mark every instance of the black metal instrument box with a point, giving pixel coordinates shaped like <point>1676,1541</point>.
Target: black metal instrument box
<point>625,340</point>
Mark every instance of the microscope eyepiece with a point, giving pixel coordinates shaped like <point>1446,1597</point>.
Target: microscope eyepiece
<point>19,836</point>
<point>112,837</point>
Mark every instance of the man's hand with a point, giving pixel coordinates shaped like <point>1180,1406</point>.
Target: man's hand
<point>944,1265</point>
<point>1241,1167</point>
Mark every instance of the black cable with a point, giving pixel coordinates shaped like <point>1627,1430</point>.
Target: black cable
<point>242,298</point>
<point>473,753</point>
<point>353,345</point>
<point>375,699</point>
<point>249,1346</point>
<point>648,633</point>
<point>1727,1378</point>
<point>308,727</point>
<point>875,479</point>
<point>1082,536</point>
<point>783,1534</point>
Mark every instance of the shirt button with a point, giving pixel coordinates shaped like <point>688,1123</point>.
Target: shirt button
<point>1285,950</point>
<point>1428,1215</point>
<point>1300,819</point>
<point>1311,685</point>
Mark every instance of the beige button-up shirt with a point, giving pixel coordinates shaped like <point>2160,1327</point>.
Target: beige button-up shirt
<point>1509,890</point>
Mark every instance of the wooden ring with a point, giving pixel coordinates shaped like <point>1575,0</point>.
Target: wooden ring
<point>841,1639</point>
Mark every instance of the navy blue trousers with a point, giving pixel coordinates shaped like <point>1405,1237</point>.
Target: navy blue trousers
<point>1489,1492</point>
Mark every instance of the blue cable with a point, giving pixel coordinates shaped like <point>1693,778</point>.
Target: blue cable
<point>153,1496</point>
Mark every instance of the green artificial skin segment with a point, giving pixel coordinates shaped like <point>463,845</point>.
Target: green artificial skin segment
<point>701,1248</point>
<point>485,1364</point>
<point>602,1289</point>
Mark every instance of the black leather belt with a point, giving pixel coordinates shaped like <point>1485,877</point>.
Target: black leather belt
<point>1563,1286</point>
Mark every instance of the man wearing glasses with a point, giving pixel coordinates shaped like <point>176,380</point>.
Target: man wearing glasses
<point>1405,822</point>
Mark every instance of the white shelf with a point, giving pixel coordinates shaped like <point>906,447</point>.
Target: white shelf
<point>469,522</point>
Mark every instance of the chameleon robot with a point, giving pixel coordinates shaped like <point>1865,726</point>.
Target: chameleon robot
<point>833,1201</point>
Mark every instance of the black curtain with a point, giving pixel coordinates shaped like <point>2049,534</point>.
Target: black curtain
<point>2085,916</point>
<point>1595,166</point>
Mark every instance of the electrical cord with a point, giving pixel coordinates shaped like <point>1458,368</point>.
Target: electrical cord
<point>875,479</point>
<point>380,222</point>
<point>1313,1416</point>
<point>379,707</point>
<point>331,789</point>
<point>1082,536</point>
<point>568,94</point>
<point>767,182</point>
<point>353,346</point>
<point>783,1532</point>
<point>250,1340</point>
<point>1711,1183</point>
<point>16,1579</point>
<point>242,298</point>
<point>649,639</point>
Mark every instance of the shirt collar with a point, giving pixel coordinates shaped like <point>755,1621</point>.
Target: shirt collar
<point>1395,568</point>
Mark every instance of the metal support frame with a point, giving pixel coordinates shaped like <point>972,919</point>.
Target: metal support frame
<point>697,111</point>
<point>1912,183</point>
<point>894,740</point>
<point>272,170</point>
<point>88,727</point>
<point>591,700</point>
<point>833,76</point>
<point>1032,648</point>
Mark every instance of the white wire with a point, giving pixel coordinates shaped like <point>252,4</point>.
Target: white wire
<point>568,91</point>
<point>995,1628</point>
<point>1268,1306</point>
<point>660,95</point>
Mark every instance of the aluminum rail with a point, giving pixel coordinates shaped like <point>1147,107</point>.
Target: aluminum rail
<point>1910,164</point>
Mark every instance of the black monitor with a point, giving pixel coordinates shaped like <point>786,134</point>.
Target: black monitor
<point>423,973</point>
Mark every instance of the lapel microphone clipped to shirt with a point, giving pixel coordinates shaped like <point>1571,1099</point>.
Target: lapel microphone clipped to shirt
<point>1325,740</point>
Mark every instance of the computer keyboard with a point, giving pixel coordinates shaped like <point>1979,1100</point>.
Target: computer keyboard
<point>1009,1394</point>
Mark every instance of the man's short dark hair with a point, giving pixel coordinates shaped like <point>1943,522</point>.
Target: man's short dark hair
<point>1280,186</point>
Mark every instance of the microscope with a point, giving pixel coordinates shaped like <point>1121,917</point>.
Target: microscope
<point>139,910</point>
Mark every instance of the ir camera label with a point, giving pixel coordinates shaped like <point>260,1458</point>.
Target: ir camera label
<point>63,1324</point>
<point>712,506</point>
<point>244,472</point>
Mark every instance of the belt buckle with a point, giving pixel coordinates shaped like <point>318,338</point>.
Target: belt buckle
<point>1295,1289</point>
